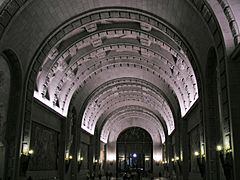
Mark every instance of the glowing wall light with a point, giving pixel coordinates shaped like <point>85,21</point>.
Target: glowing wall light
<point>196,153</point>
<point>219,148</point>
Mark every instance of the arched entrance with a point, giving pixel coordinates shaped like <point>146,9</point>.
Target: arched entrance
<point>134,151</point>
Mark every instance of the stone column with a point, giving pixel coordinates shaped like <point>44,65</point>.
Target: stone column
<point>185,149</point>
<point>234,90</point>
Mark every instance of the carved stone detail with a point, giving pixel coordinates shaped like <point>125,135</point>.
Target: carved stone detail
<point>231,20</point>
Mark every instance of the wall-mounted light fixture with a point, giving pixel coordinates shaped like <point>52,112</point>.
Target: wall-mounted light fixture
<point>219,148</point>
<point>26,154</point>
<point>165,162</point>
<point>177,158</point>
<point>173,160</point>
<point>200,162</point>
<point>79,162</point>
<point>147,158</point>
<point>196,153</point>
<point>225,155</point>
<point>165,165</point>
<point>95,164</point>
<point>31,152</point>
<point>68,159</point>
<point>178,162</point>
<point>100,162</point>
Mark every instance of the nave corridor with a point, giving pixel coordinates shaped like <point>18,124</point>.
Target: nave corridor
<point>133,88</point>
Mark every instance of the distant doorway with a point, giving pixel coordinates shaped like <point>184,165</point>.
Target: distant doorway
<point>134,151</point>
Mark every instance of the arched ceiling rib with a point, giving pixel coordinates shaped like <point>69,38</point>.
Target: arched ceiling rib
<point>129,103</point>
<point>72,67</point>
<point>112,75</point>
<point>127,46</point>
<point>151,121</point>
<point>123,90</point>
<point>131,98</point>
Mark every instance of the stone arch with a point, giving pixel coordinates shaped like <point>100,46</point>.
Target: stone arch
<point>13,112</point>
<point>127,112</point>
<point>4,101</point>
<point>95,102</point>
<point>41,59</point>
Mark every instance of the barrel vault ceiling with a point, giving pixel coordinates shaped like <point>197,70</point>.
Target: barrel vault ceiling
<point>120,67</point>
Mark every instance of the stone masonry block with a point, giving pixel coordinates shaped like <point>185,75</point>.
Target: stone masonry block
<point>212,25</point>
<point>60,35</point>
<point>124,15</point>
<point>206,13</point>
<point>21,2</point>
<point>68,28</point>
<point>53,41</point>
<point>104,15</point>
<point>86,20</point>
<point>12,7</point>
<point>220,51</point>
<point>95,16</point>
<point>115,14</point>
<point>4,18</point>
<point>1,30</point>
<point>217,38</point>
<point>199,4</point>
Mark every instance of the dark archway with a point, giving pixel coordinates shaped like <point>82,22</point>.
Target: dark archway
<point>134,151</point>
<point>13,125</point>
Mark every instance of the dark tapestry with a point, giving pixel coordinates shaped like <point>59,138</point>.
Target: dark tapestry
<point>44,142</point>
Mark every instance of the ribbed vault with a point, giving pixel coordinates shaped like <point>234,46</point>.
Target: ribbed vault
<point>125,90</point>
<point>121,64</point>
<point>146,117</point>
<point>152,63</point>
